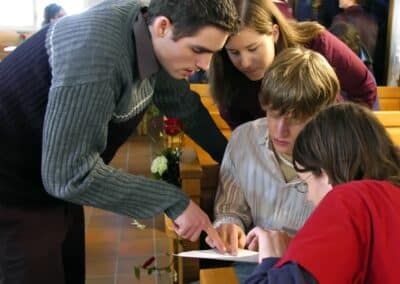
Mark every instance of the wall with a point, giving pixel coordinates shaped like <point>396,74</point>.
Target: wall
<point>7,39</point>
<point>394,45</point>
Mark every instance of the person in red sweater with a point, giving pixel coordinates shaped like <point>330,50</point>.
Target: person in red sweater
<point>354,233</point>
<point>236,71</point>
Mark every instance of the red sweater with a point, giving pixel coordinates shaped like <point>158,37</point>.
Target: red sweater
<point>353,236</point>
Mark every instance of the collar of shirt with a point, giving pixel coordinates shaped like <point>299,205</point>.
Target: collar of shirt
<point>262,136</point>
<point>146,59</point>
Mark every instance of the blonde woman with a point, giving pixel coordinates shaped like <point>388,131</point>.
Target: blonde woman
<point>237,70</point>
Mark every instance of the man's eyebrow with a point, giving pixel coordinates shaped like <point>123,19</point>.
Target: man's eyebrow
<point>202,49</point>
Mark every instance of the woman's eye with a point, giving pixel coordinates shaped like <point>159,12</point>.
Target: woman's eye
<point>252,49</point>
<point>233,52</point>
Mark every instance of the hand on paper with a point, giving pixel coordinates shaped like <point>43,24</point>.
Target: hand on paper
<point>233,237</point>
<point>269,243</point>
<point>192,221</point>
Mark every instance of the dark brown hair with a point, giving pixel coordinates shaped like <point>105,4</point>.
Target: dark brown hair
<point>189,16</point>
<point>299,81</point>
<point>349,143</point>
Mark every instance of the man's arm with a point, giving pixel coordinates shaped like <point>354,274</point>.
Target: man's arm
<point>175,99</point>
<point>74,136</point>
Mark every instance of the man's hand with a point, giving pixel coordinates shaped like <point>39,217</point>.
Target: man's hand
<point>270,243</point>
<point>192,221</point>
<point>233,237</point>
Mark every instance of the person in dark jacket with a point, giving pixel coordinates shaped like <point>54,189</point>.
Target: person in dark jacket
<point>347,33</point>
<point>365,24</point>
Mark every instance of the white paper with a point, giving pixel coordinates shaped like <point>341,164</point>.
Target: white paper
<point>243,255</point>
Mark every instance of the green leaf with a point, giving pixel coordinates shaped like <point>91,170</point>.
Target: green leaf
<point>150,270</point>
<point>137,272</point>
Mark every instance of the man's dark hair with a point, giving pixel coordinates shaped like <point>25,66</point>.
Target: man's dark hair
<point>189,16</point>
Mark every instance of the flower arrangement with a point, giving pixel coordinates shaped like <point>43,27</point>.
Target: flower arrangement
<point>164,167</point>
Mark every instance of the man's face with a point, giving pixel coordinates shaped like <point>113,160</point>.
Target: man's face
<point>187,55</point>
<point>283,130</point>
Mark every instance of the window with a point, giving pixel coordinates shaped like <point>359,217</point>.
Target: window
<point>27,15</point>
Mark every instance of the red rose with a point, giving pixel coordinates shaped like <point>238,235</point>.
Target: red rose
<point>172,126</point>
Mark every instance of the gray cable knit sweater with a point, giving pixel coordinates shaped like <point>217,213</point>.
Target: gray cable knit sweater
<point>95,87</point>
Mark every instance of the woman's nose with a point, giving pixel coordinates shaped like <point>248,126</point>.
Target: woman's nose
<point>245,61</point>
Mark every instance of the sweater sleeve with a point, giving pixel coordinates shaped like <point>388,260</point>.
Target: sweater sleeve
<point>74,135</point>
<point>175,99</point>
<point>290,273</point>
<point>354,76</point>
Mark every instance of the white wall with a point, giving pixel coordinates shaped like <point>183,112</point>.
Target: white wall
<point>394,53</point>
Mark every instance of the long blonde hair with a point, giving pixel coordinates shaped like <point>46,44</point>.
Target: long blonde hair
<point>259,15</point>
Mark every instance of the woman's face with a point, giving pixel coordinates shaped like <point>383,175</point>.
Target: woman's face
<point>251,52</point>
<point>318,186</point>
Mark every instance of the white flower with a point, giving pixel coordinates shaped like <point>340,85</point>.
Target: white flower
<point>159,165</point>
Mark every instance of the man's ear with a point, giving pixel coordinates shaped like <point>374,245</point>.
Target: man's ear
<point>161,26</point>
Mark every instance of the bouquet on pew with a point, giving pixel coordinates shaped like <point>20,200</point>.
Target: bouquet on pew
<point>166,166</point>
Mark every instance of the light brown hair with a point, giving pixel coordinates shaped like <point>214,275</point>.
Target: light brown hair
<point>259,15</point>
<point>299,81</point>
<point>349,143</point>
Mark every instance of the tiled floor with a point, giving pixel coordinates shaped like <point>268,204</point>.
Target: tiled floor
<point>113,245</point>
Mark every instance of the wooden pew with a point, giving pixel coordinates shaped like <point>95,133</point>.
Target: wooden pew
<point>389,98</point>
<point>208,101</point>
<point>210,168</point>
<point>218,275</point>
<point>190,172</point>
<point>391,121</point>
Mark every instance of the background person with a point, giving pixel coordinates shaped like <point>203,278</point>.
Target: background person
<point>365,24</point>
<point>348,34</point>
<point>52,12</point>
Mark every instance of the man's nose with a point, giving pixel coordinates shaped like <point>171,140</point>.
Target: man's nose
<point>203,61</point>
<point>283,127</point>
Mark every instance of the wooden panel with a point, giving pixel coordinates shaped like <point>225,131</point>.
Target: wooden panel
<point>218,275</point>
<point>391,121</point>
<point>207,100</point>
<point>389,98</point>
<point>191,173</point>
